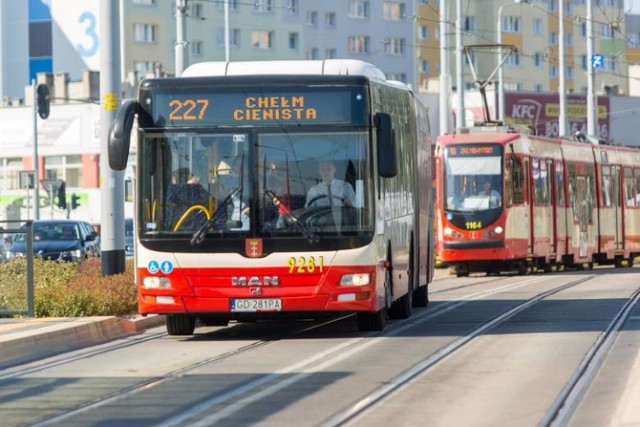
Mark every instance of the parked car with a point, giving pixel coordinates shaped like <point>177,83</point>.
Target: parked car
<point>128,237</point>
<point>66,240</point>
<point>93,247</point>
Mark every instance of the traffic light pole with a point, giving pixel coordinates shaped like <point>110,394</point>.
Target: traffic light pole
<point>36,180</point>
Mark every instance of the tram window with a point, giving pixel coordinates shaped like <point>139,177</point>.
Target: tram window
<point>629,188</point>
<point>560,199</point>
<point>517,183</point>
<point>607,186</point>
<point>637,195</point>
<point>540,181</point>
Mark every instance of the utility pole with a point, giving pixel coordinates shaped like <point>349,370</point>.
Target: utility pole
<point>460,115</point>
<point>562,117</point>
<point>591,77</point>
<point>111,182</point>
<point>36,178</point>
<point>226,31</point>
<point>181,36</point>
<point>445,77</point>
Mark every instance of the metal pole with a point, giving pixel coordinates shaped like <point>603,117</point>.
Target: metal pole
<point>112,182</point>
<point>226,31</point>
<point>460,115</point>
<point>591,104</point>
<point>445,78</point>
<point>181,36</point>
<point>36,178</point>
<point>500,73</point>
<point>123,70</point>
<point>30,276</point>
<point>562,117</point>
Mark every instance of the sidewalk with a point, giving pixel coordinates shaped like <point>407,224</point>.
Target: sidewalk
<point>28,339</point>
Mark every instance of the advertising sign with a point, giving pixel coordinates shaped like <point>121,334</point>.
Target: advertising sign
<point>541,112</point>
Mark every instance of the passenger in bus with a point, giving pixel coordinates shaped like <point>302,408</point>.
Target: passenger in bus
<point>330,191</point>
<point>493,195</point>
<point>183,193</point>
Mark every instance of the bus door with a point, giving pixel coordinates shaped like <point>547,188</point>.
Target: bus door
<point>617,206</point>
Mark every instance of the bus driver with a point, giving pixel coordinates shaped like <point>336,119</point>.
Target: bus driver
<point>330,191</point>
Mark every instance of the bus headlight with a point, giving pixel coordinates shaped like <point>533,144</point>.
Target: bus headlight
<point>360,279</point>
<point>495,232</point>
<point>155,282</point>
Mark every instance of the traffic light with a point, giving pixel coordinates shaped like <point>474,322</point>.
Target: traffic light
<point>62,196</point>
<point>43,100</point>
<point>74,201</point>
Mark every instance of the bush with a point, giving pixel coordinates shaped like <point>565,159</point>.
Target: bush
<point>64,289</point>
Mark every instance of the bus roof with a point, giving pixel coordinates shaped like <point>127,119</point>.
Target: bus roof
<point>293,67</point>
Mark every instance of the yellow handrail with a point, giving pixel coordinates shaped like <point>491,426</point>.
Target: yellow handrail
<point>186,214</point>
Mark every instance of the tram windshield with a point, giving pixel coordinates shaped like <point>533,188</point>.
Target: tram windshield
<point>473,177</point>
<point>311,184</point>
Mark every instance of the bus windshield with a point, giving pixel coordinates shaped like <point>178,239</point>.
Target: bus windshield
<point>473,178</point>
<point>260,183</point>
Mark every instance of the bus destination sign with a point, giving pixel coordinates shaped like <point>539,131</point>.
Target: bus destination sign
<point>244,108</point>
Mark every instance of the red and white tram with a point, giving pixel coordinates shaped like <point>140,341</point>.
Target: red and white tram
<point>514,201</point>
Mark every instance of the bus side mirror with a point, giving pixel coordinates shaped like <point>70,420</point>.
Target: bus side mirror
<point>120,135</point>
<point>387,157</point>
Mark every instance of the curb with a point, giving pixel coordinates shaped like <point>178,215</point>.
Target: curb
<point>55,336</point>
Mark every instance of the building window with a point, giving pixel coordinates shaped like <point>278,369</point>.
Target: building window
<point>262,5</point>
<point>330,19</point>
<point>293,40</point>
<point>311,53</point>
<point>145,33</point>
<point>570,73</point>
<point>393,11</point>
<point>538,88</point>
<point>292,7</point>
<point>400,77</point>
<point>262,39</point>
<point>145,2</point>
<point>358,9</point>
<point>330,53</point>
<point>424,32</point>
<point>234,37</point>
<point>358,44</point>
<point>537,27</point>
<point>312,18</point>
<point>553,38</point>
<point>10,173</point>
<point>553,72</point>
<point>143,68</point>
<point>196,10</point>
<point>511,24</point>
<point>233,4</point>
<point>196,48</point>
<point>537,59</point>
<point>394,46</point>
<point>67,168</point>
<point>513,60</point>
<point>583,62</point>
<point>470,24</point>
<point>425,66</point>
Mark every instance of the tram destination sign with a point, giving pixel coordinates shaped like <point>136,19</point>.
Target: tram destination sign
<point>474,150</point>
<point>195,107</point>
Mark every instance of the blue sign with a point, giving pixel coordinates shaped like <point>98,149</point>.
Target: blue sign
<point>597,61</point>
<point>166,267</point>
<point>153,267</point>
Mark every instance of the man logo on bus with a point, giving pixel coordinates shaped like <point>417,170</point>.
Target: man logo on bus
<point>253,248</point>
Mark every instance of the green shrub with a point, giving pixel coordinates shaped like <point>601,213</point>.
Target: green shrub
<point>64,289</point>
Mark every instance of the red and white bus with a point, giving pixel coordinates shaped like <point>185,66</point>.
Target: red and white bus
<point>556,203</point>
<point>251,242</point>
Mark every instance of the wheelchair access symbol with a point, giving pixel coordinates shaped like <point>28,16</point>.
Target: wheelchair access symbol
<point>153,267</point>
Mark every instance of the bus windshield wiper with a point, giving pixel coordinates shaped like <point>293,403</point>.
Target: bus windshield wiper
<point>198,236</point>
<point>304,229</point>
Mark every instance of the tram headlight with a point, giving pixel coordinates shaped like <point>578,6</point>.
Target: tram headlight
<point>360,279</point>
<point>155,282</point>
<point>450,232</point>
<point>494,232</point>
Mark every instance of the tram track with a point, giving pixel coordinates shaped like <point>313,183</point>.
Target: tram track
<point>229,401</point>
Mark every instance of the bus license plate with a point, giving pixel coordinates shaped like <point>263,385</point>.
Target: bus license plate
<point>256,304</point>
